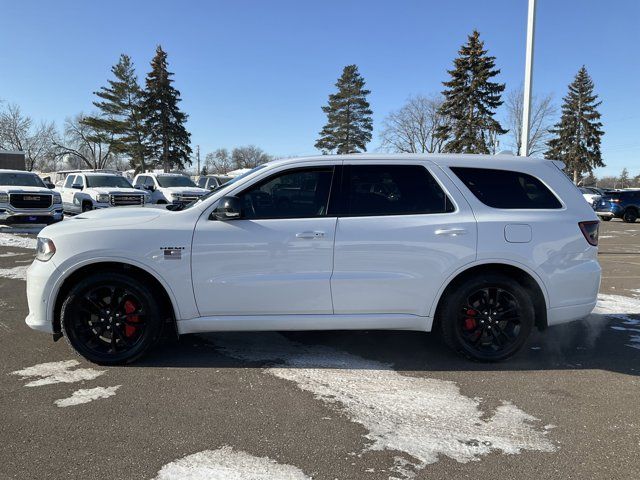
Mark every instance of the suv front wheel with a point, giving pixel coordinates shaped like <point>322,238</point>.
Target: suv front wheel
<point>487,318</point>
<point>110,318</point>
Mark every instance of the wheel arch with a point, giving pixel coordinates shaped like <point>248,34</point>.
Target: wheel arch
<point>74,274</point>
<point>519,272</point>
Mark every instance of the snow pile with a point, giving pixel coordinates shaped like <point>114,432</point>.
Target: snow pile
<point>15,273</point>
<point>422,417</point>
<point>620,307</point>
<point>10,240</point>
<point>228,464</point>
<point>87,395</point>
<point>57,372</point>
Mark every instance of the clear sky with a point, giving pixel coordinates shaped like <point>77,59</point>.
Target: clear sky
<point>257,72</point>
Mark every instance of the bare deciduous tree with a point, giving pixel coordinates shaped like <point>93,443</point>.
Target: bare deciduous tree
<point>219,161</point>
<point>249,157</point>
<point>542,116</point>
<point>19,132</point>
<point>411,129</point>
<point>82,142</point>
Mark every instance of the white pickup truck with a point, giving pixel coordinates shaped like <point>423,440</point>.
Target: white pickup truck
<point>169,188</point>
<point>24,198</point>
<point>84,191</point>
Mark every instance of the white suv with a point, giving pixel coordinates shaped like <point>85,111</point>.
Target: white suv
<point>481,248</point>
<point>84,191</point>
<point>24,198</point>
<point>169,188</point>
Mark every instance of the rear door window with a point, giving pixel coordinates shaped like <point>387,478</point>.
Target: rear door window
<point>371,190</point>
<point>507,189</point>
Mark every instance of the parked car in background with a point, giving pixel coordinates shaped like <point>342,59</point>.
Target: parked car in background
<point>591,195</point>
<point>481,248</point>
<point>624,204</point>
<point>24,198</point>
<point>84,191</point>
<point>169,188</point>
<point>211,182</point>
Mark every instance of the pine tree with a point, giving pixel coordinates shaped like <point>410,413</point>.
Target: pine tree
<point>168,138</point>
<point>471,99</point>
<point>120,118</point>
<point>576,138</point>
<point>349,124</point>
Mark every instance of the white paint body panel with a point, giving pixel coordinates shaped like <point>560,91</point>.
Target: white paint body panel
<point>385,272</point>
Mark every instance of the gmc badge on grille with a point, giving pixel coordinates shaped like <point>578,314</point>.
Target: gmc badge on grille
<point>30,198</point>
<point>172,253</point>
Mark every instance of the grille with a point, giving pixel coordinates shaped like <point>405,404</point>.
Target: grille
<point>124,200</point>
<point>30,200</point>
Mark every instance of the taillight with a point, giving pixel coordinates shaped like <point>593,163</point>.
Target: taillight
<point>590,231</point>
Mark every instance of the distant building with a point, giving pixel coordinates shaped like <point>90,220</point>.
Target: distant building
<point>12,160</point>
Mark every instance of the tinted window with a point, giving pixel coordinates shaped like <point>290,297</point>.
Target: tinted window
<point>291,194</point>
<point>139,180</point>
<point>507,189</point>
<point>175,181</point>
<point>107,181</point>
<point>202,182</point>
<point>69,181</point>
<point>20,179</point>
<point>393,190</point>
<point>148,181</point>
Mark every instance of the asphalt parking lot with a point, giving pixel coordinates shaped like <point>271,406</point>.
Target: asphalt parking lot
<point>332,405</point>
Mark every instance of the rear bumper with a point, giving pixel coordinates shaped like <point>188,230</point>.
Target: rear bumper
<point>559,315</point>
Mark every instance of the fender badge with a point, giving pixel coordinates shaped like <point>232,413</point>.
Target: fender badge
<point>172,253</point>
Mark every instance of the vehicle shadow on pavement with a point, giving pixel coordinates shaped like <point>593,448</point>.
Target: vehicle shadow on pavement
<point>594,343</point>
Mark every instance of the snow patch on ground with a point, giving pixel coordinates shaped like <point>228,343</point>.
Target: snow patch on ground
<point>57,372</point>
<point>10,240</point>
<point>422,417</point>
<point>620,308</point>
<point>228,464</point>
<point>15,273</point>
<point>86,395</point>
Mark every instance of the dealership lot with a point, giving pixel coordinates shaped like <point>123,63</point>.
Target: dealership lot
<point>328,405</point>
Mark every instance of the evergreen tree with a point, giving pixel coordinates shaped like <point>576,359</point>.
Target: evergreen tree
<point>120,118</point>
<point>471,99</point>
<point>168,138</point>
<point>576,138</point>
<point>349,124</point>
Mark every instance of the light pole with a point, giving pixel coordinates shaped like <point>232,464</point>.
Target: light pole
<point>528,74</point>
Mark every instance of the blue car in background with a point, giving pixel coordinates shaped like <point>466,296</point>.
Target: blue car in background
<point>624,204</point>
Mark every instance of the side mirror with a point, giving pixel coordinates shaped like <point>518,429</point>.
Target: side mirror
<point>149,188</point>
<point>228,208</point>
<point>76,186</point>
<point>50,185</point>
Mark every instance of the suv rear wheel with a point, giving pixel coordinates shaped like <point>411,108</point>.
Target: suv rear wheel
<point>630,215</point>
<point>487,318</point>
<point>110,318</point>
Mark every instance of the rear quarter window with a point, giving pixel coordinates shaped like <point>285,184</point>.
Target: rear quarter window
<point>507,189</point>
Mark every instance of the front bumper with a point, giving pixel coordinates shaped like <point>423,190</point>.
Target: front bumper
<point>9,214</point>
<point>41,278</point>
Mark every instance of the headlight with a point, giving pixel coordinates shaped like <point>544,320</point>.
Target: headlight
<point>102,198</point>
<point>4,198</point>
<point>57,199</point>
<point>45,249</point>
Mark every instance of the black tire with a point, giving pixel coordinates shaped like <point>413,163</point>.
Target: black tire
<point>86,207</point>
<point>605,219</point>
<point>630,215</point>
<point>98,322</point>
<point>487,335</point>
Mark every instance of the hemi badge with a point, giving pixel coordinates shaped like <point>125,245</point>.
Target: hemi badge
<point>172,253</point>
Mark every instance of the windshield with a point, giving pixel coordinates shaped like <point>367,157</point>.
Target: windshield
<point>107,181</point>
<point>220,187</point>
<point>175,181</point>
<point>21,179</point>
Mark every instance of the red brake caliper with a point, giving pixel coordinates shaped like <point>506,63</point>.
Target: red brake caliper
<point>470,322</point>
<point>130,307</point>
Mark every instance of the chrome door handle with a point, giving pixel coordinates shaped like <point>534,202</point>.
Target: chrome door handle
<point>452,232</point>
<point>310,235</point>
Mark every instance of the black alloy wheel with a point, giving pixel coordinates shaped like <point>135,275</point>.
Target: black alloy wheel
<point>110,319</point>
<point>487,319</point>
